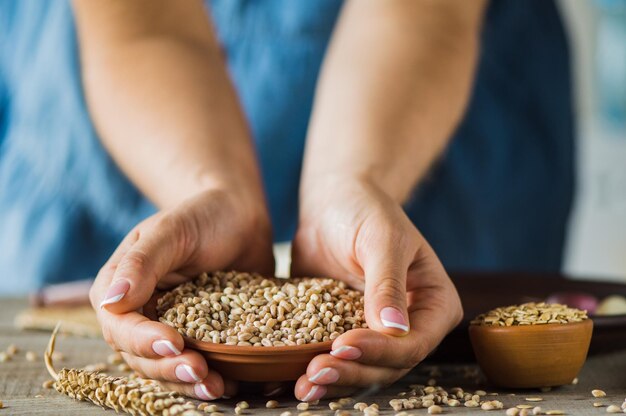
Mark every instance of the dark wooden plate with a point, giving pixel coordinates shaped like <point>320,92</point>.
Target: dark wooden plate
<point>482,292</point>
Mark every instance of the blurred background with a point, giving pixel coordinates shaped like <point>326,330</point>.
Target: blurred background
<point>597,238</point>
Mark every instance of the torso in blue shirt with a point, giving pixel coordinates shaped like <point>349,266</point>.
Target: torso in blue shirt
<point>499,197</point>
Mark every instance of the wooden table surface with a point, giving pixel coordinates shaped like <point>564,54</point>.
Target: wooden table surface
<point>22,393</point>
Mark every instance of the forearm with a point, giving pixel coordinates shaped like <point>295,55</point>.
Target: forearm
<point>163,103</point>
<point>394,85</point>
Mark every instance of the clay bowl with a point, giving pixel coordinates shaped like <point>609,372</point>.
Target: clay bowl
<point>531,356</point>
<point>256,364</point>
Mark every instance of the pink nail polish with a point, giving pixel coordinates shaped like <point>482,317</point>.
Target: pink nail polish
<point>326,375</point>
<point>165,348</point>
<point>347,352</point>
<point>202,392</point>
<point>116,292</point>
<point>393,318</point>
<point>316,393</point>
<point>187,374</point>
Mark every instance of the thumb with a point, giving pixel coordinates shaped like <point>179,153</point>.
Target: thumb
<point>385,290</point>
<point>152,255</point>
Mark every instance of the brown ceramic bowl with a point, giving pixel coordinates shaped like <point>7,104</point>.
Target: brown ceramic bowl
<point>531,356</point>
<point>257,364</point>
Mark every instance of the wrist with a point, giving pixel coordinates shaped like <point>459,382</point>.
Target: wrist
<point>324,190</point>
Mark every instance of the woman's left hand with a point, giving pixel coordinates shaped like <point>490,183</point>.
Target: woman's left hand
<point>351,230</point>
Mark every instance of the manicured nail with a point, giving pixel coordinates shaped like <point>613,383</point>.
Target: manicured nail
<point>164,348</point>
<point>185,373</point>
<point>326,375</point>
<point>393,318</point>
<point>202,392</point>
<point>116,292</point>
<point>347,352</point>
<point>274,392</point>
<point>316,393</point>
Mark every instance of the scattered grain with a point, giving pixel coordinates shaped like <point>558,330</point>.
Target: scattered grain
<point>537,410</point>
<point>115,358</point>
<point>434,410</point>
<point>487,406</point>
<point>555,412</point>
<point>211,408</point>
<point>471,403</point>
<point>286,413</point>
<point>334,406</point>
<point>48,384</point>
<point>243,404</point>
<point>360,406</point>
<point>12,349</point>
<point>613,409</point>
<point>513,411</point>
<point>598,393</point>
<point>124,368</point>
<point>303,406</point>
<point>271,404</point>
<point>533,399</point>
<point>598,404</point>
<point>4,357</point>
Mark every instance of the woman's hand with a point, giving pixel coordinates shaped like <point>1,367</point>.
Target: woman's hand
<point>214,230</point>
<point>353,231</point>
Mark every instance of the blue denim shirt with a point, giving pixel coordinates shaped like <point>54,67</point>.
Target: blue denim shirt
<point>498,198</point>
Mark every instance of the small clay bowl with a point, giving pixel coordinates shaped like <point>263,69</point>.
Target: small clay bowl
<point>256,364</point>
<point>531,356</point>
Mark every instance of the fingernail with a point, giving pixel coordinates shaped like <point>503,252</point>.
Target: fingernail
<point>185,373</point>
<point>202,392</point>
<point>347,352</point>
<point>393,318</point>
<point>116,292</point>
<point>316,393</point>
<point>164,348</point>
<point>326,375</point>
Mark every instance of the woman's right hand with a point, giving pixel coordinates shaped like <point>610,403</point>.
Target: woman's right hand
<point>214,230</point>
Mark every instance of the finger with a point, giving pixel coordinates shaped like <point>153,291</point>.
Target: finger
<point>189,367</point>
<point>211,388</point>
<point>326,370</point>
<point>385,263</point>
<point>105,274</point>
<point>156,251</point>
<point>310,392</point>
<point>434,312</point>
<point>135,334</point>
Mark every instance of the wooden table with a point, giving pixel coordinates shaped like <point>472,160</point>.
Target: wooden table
<point>22,393</point>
